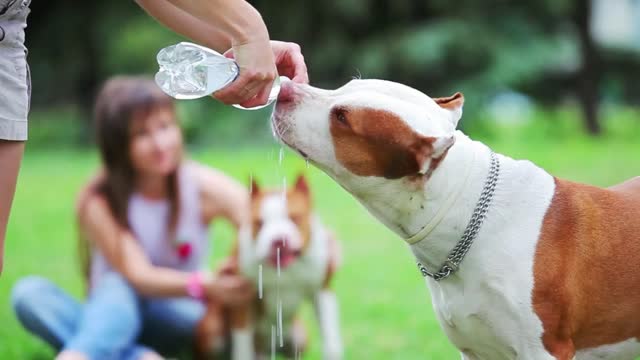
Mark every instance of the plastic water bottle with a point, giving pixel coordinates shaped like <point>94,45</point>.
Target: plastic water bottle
<point>191,71</point>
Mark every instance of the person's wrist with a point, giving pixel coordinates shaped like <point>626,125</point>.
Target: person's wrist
<point>249,39</point>
<point>254,32</point>
<point>198,284</point>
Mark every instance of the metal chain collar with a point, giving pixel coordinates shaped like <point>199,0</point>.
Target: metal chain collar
<point>456,255</point>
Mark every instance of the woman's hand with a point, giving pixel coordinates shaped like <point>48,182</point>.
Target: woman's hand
<point>231,289</point>
<point>290,61</point>
<point>260,62</point>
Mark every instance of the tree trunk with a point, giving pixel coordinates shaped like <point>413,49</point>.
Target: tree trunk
<point>589,75</point>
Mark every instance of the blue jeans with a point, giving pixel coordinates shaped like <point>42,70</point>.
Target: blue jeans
<point>114,323</point>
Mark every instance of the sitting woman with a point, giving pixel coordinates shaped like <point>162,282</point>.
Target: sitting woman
<point>146,218</point>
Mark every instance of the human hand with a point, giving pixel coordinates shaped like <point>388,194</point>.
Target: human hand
<point>258,62</point>
<point>229,266</point>
<point>290,61</point>
<point>257,72</point>
<point>232,290</point>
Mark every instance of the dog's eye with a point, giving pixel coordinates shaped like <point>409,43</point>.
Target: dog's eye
<point>341,117</point>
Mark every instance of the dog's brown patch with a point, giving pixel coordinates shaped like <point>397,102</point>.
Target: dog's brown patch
<point>371,142</point>
<point>587,269</point>
<point>211,328</point>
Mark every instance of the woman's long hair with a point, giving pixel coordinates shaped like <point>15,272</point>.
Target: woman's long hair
<point>122,101</point>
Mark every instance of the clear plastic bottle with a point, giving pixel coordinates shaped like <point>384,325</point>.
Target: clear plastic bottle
<point>191,71</point>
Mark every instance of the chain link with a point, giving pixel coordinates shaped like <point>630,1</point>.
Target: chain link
<point>456,255</point>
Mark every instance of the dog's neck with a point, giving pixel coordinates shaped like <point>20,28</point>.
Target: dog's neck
<point>407,206</point>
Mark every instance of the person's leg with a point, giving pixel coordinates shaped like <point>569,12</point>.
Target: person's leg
<point>10,157</point>
<point>170,324</point>
<point>110,323</point>
<point>15,95</point>
<point>46,310</point>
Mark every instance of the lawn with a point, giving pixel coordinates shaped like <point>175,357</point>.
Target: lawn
<point>385,307</point>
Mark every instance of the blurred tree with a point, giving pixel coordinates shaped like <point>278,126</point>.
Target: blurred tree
<point>589,76</point>
<point>74,46</point>
<point>542,48</point>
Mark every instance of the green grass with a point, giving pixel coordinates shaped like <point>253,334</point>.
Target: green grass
<point>386,310</point>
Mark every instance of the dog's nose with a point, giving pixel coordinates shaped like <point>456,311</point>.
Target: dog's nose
<point>287,91</point>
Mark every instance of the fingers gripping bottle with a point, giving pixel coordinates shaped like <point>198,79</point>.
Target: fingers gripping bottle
<point>191,71</point>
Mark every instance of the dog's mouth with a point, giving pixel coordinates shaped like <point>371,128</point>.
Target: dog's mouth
<point>279,128</point>
<point>279,131</point>
<point>282,255</point>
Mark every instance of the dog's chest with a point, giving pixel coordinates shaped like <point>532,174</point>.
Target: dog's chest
<point>476,323</point>
<point>284,293</point>
<point>292,285</point>
<point>486,308</point>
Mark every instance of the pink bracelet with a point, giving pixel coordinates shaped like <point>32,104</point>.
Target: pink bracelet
<point>195,285</point>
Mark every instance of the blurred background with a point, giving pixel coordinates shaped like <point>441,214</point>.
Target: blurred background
<point>554,81</point>
<point>512,59</point>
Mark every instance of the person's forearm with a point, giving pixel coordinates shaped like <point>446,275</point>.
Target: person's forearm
<point>158,281</point>
<point>187,25</point>
<point>235,18</point>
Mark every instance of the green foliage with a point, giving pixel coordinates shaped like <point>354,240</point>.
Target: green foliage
<point>480,48</point>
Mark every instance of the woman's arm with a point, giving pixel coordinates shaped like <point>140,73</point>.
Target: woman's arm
<point>187,25</point>
<point>222,196</point>
<point>125,255</point>
<point>217,23</point>
<point>236,18</point>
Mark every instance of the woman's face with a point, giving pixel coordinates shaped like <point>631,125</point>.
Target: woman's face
<point>156,143</point>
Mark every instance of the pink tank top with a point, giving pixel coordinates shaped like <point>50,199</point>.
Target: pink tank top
<point>149,221</point>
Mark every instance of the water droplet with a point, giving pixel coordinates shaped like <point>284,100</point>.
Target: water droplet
<point>281,155</point>
<point>260,281</point>
<point>278,260</point>
<point>273,342</point>
<point>280,323</point>
<point>306,161</point>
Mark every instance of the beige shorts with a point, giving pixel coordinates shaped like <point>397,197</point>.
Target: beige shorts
<point>15,79</point>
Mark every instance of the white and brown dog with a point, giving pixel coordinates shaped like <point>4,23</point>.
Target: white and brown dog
<point>291,258</point>
<point>553,270</point>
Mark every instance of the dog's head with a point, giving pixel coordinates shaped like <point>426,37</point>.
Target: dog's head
<point>367,128</point>
<point>280,222</point>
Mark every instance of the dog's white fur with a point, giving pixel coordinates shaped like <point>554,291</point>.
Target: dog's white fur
<point>485,308</point>
<point>300,281</point>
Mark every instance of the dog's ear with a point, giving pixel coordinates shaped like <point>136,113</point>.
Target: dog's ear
<point>453,105</point>
<point>254,188</point>
<point>430,150</point>
<point>301,185</point>
<point>420,158</point>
